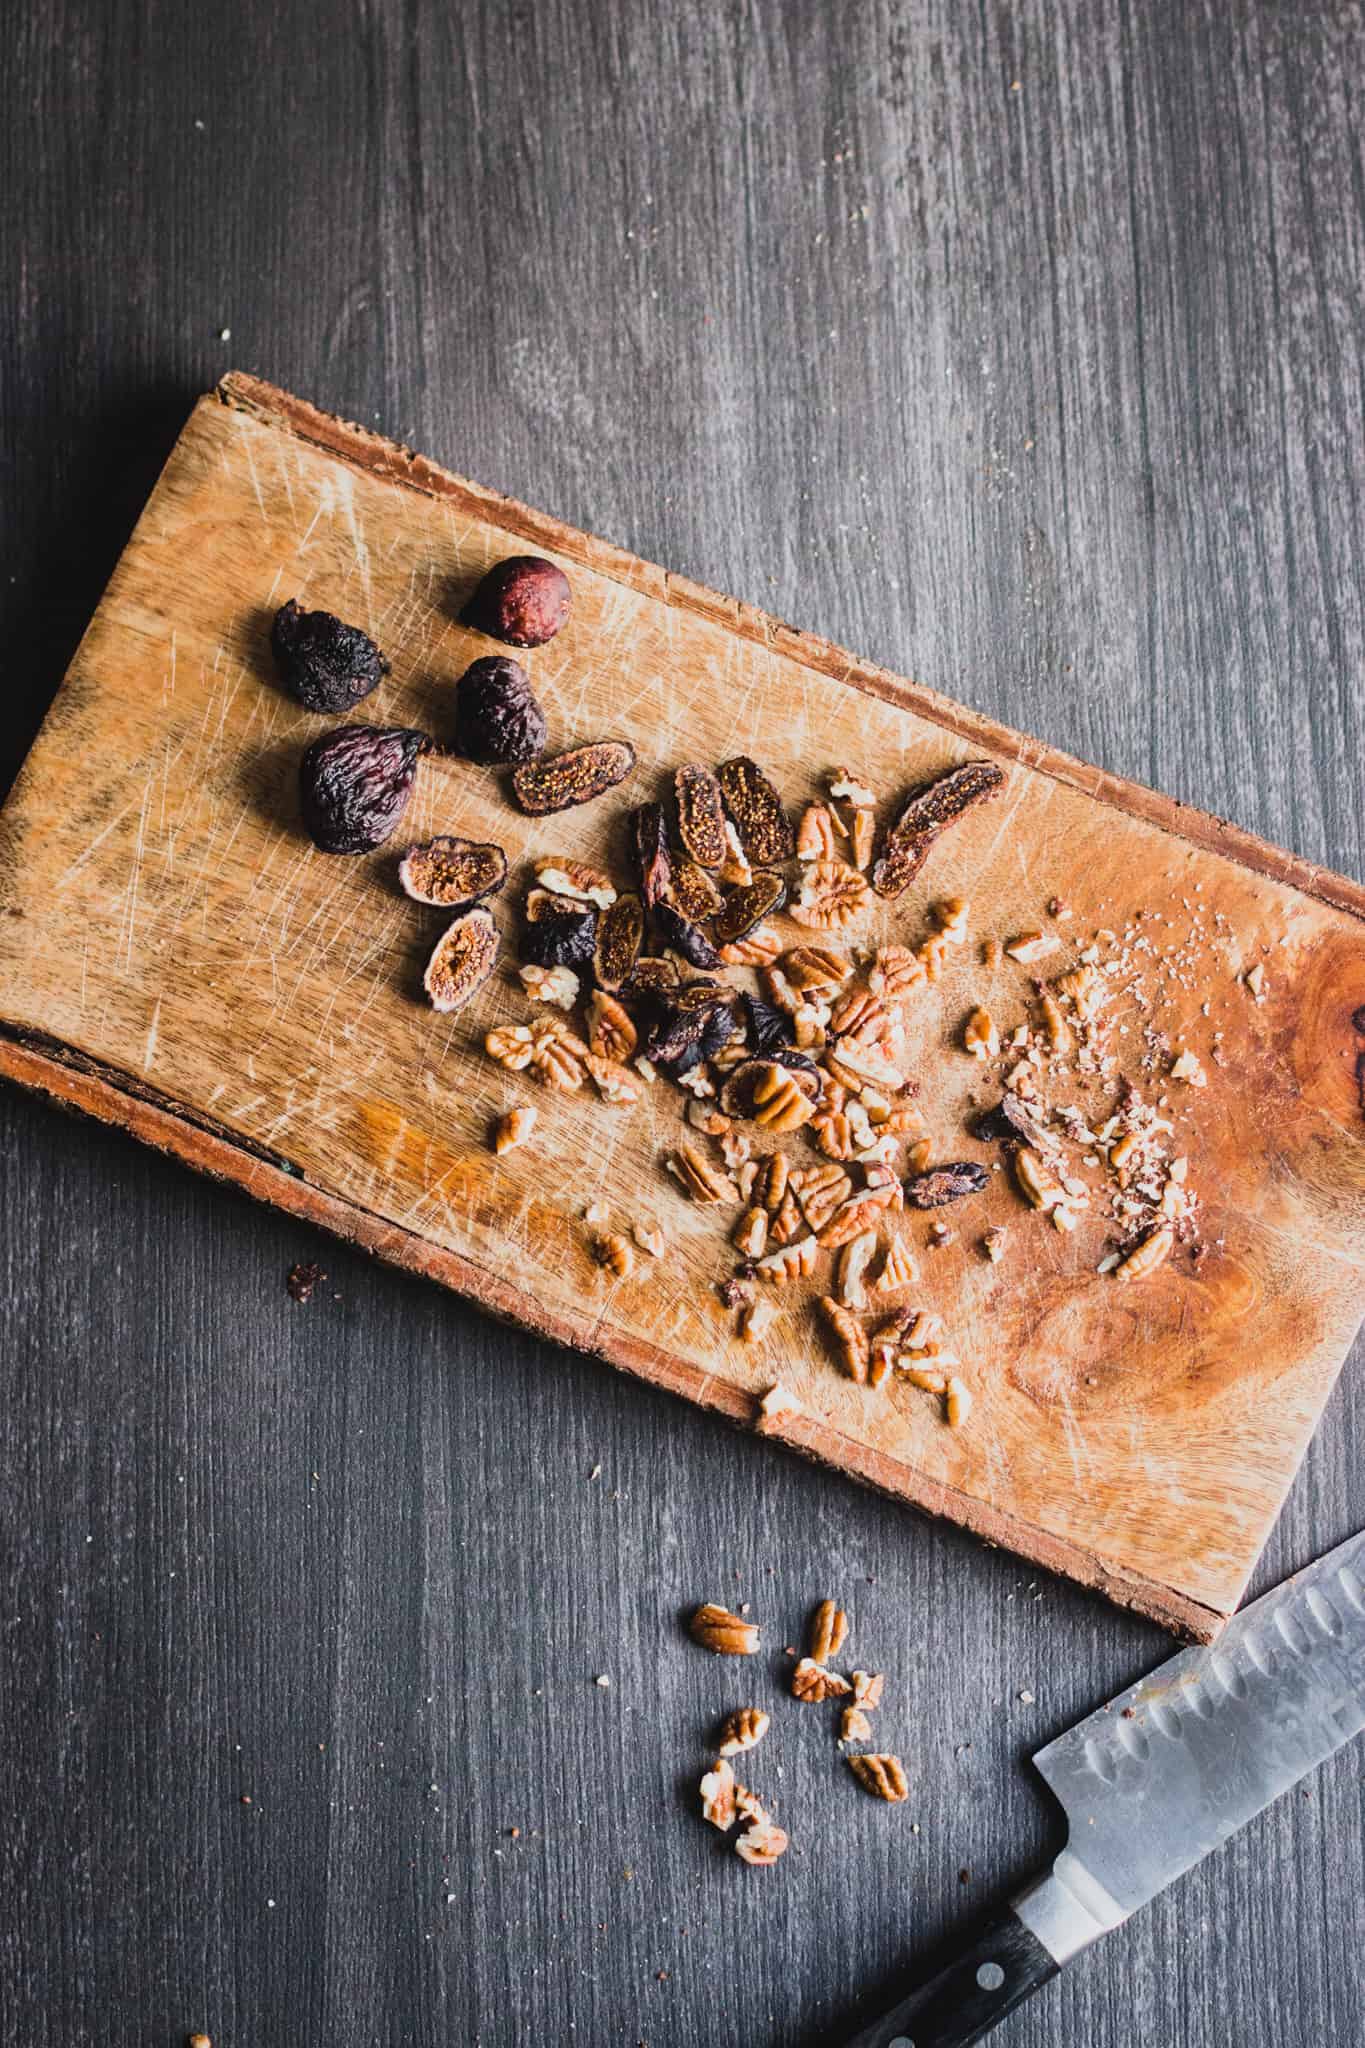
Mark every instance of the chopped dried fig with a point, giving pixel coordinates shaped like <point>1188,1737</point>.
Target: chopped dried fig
<point>328,666</point>
<point>453,873</point>
<point>764,829</point>
<point>689,1031</point>
<point>652,975</point>
<point>355,782</point>
<point>768,1029</point>
<point>463,959</point>
<point>523,601</point>
<point>620,935</point>
<point>685,937</point>
<point>745,908</point>
<point>650,853</point>
<point>497,718</point>
<point>558,932</point>
<point>563,780</point>
<point>701,815</point>
<point>693,894</point>
<point>928,812</point>
<point>1007,1123</point>
<point>944,1184</point>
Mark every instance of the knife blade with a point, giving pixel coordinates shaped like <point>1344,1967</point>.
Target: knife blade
<point>1152,1782</point>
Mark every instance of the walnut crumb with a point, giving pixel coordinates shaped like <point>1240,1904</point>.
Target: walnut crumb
<point>650,1238</point>
<point>744,1729</point>
<point>854,1726</point>
<point>813,1685</point>
<point>717,1790</point>
<point>882,1775</point>
<point>762,1843</point>
<point>776,1405</point>
<point>615,1255</point>
<point>718,1630</point>
<point>514,1128</point>
<point>828,1632</point>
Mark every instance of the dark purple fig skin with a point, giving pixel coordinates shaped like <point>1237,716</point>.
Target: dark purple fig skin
<point>562,934</point>
<point>355,782</point>
<point>497,717</point>
<point>328,665</point>
<point>944,1184</point>
<point>523,602</point>
<point>685,938</point>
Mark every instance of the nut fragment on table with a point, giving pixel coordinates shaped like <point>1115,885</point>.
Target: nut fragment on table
<point>615,1254</point>
<point>854,1726</point>
<point>832,896</point>
<point>867,1689</point>
<point>702,1181</point>
<point>717,1790</point>
<point>853,1262</point>
<point>958,1402</point>
<point>792,1262</point>
<point>727,1634</point>
<point>778,1405</point>
<point>880,1774</point>
<point>611,1029</point>
<point>744,1729</point>
<point>980,1036</point>
<point>1153,1251</point>
<point>812,1684</point>
<point>762,1843</point>
<point>899,1269</point>
<point>850,1339</point>
<point>828,1631</point>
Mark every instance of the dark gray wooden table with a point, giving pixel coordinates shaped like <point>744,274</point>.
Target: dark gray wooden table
<point>1018,346</point>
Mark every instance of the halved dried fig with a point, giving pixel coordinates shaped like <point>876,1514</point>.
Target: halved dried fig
<point>684,937</point>
<point>928,812</point>
<point>693,894</point>
<point>763,826</point>
<point>355,782</point>
<point>744,908</point>
<point>944,1184</point>
<point>653,975</point>
<point>463,959</point>
<point>452,872</point>
<point>620,935</point>
<point>701,814</point>
<point>649,852</point>
<point>558,931</point>
<point>563,780</point>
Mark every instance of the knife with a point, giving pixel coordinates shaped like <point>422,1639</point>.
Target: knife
<point>1154,1781</point>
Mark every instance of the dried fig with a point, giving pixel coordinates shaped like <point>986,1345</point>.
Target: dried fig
<point>701,814</point>
<point>944,1184</point>
<point>497,718</point>
<point>649,852</point>
<point>653,975</point>
<point>685,937</point>
<point>693,894</point>
<point>767,1028</point>
<point>523,601</point>
<point>745,908</point>
<point>620,935</point>
<point>355,782</point>
<point>451,872</point>
<point>558,931</point>
<point>562,781</point>
<point>928,812</point>
<point>464,958</point>
<point>764,829</point>
<point>328,666</point>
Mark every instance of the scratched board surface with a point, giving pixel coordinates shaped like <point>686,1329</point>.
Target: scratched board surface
<point>172,938</point>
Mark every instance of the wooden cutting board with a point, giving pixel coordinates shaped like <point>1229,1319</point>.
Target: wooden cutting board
<point>176,958</point>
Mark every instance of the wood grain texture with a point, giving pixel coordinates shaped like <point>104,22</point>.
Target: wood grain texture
<point>879,275</point>
<point>172,924</point>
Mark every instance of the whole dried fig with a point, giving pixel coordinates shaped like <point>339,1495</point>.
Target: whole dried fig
<point>329,666</point>
<point>497,717</point>
<point>523,601</point>
<point>355,782</point>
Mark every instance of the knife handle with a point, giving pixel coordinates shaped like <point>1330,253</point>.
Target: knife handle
<point>996,1967</point>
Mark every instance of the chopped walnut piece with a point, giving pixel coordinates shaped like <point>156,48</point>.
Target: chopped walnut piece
<point>834,1135</point>
<point>1054,1022</point>
<point>929,1379</point>
<point>980,1036</point>
<point>611,1030</point>
<point>918,1156</point>
<point>735,870</point>
<point>762,1843</point>
<point>860,1016</point>
<point>1255,980</point>
<point>860,1212</point>
<point>854,1726</point>
<point>514,1128</point>
<point>788,1222</point>
<point>850,1338</point>
<point>744,1729</point>
<point>844,788</point>
<point>1086,988</point>
<point>816,836</point>
<point>1030,946</point>
<point>882,1775</point>
<point>758,948</point>
<point>735,1148</point>
<point>615,1254</point>
<point>791,1262</point>
<point>750,1234</point>
<point>1153,1251</point>
<point>993,1245</point>
<point>852,1265</point>
<point>559,1057</point>
<point>813,1685</point>
<point>716,1628</point>
<point>557,985</point>
<point>1187,1066</point>
<point>1038,1184</point>
<point>899,1269</point>
<point>832,896</point>
<point>777,1405</point>
<point>702,1181</point>
<point>820,1190</point>
<point>857,1066</point>
<point>650,1238</point>
<point>717,1790</point>
<point>958,1402</point>
<point>511,1046</point>
<point>867,1689</point>
<point>862,836</point>
<point>575,878</point>
<point>770,1187</point>
<point>950,914</point>
<point>828,1631</point>
<point>779,1101</point>
<point>895,971</point>
<point>756,1318</point>
<point>613,1082</point>
<point>816,971</point>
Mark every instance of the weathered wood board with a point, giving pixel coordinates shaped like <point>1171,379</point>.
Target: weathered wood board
<point>176,957</point>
